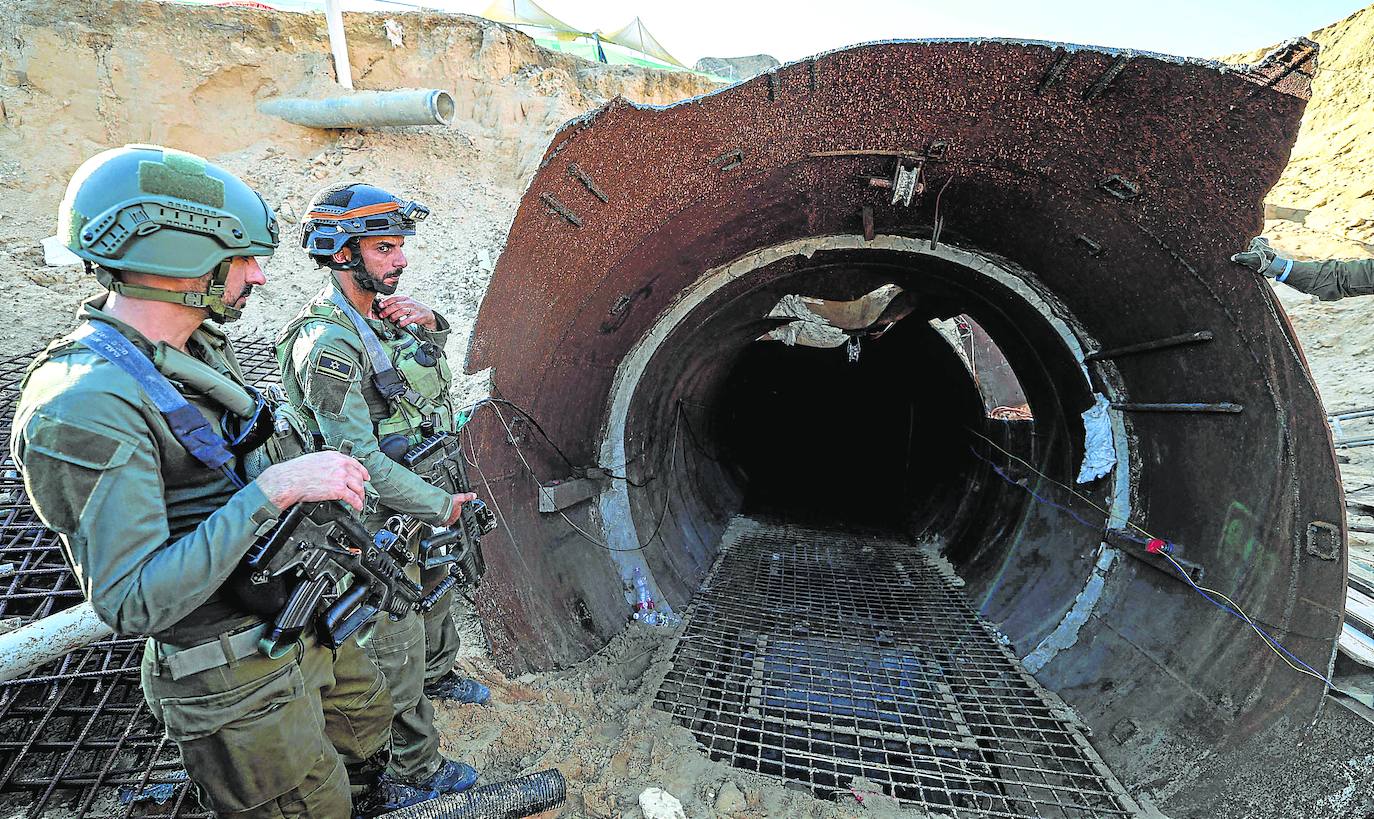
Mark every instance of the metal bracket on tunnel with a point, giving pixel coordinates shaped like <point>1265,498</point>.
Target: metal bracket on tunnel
<point>1094,248</point>
<point>1120,187</point>
<point>560,495</point>
<point>581,176</point>
<point>729,160</point>
<point>1056,71</point>
<point>1225,407</point>
<point>1132,546</point>
<point>621,309</point>
<point>1183,339</point>
<point>561,209</point>
<point>1323,540</point>
<point>1113,71</point>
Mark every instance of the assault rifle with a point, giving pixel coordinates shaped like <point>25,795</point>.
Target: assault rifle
<point>439,460</point>
<point>299,567</point>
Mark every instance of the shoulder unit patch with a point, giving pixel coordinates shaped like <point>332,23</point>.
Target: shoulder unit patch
<point>335,367</point>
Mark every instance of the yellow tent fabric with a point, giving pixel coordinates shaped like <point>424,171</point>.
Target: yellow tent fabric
<point>636,36</point>
<point>529,13</point>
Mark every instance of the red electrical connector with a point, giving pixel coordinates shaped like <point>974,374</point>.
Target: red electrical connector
<point>1159,546</point>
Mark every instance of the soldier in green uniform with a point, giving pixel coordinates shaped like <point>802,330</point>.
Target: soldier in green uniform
<point>367,366</point>
<point>1328,279</point>
<point>116,435</point>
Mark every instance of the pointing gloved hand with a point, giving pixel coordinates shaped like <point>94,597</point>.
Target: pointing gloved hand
<point>1262,259</point>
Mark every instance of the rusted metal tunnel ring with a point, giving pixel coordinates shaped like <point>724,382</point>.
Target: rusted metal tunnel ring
<point>1078,206</point>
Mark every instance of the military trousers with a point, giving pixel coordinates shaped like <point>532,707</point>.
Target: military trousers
<point>398,648</point>
<point>276,738</point>
<point>441,632</point>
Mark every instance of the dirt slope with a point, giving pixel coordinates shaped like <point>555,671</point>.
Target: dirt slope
<point>78,76</point>
<point>1324,207</point>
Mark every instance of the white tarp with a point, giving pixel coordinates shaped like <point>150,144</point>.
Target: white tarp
<point>1099,453</point>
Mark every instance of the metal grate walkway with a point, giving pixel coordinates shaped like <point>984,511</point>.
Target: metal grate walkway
<point>76,738</point>
<point>820,656</point>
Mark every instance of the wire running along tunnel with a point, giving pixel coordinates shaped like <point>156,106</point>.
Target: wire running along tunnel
<point>1073,209</point>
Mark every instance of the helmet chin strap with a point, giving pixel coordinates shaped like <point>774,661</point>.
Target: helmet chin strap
<point>212,299</point>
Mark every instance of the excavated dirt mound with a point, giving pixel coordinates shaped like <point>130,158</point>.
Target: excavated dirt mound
<point>76,77</point>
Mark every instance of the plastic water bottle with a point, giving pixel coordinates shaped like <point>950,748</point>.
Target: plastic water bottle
<point>644,604</point>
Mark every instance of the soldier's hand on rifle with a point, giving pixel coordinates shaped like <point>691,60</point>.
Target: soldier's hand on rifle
<point>404,311</point>
<point>458,501</point>
<point>317,476</point>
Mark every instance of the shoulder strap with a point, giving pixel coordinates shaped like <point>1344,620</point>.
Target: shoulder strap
<point>188,426</point>
<point>388,380</point>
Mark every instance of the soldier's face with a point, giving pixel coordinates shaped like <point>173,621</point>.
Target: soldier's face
<point>245,273</point>
<point>384,258</point>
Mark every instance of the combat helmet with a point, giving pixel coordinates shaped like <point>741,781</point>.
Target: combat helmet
<point>340,215</point>
<point>155,210</point>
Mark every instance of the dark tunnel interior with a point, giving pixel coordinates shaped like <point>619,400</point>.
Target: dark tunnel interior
<point>900,440</point>
<point>873,442</point>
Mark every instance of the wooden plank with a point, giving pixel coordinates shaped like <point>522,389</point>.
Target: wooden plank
<point>1361,578</point>
<point>1358,647</point>
<point>1359,607</point>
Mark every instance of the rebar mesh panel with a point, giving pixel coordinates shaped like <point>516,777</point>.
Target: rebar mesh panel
<point>76,737</point>
<point>821,657</point>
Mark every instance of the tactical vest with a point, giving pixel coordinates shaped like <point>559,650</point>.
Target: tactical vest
<point>431,408</point>
<point>210,390</point>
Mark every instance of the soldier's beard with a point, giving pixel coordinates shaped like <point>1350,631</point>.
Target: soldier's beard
<point>377,284</point>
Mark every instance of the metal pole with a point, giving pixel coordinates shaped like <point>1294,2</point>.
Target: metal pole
<point>43,641</point>
<point>333,16</point>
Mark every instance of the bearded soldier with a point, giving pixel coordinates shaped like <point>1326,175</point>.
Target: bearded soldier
<point>132,433</point>
<point>367,366</point>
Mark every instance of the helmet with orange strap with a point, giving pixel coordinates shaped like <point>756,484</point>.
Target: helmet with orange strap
<point>340,215</point>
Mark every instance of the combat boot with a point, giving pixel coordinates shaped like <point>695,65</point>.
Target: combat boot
<point>454,688</point>
<point>452,777</point>
<point>390,794</point>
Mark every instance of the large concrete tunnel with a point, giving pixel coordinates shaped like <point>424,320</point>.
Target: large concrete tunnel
<point>1072,210</point>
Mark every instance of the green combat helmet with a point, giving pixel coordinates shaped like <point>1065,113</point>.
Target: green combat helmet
<point>149,209</point>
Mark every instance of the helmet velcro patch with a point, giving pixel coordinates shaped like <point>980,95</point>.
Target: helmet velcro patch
<point>183,177</point>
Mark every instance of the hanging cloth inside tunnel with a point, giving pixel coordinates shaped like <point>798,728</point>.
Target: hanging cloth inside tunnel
<point>1099,453</point>
<point>830,323</point>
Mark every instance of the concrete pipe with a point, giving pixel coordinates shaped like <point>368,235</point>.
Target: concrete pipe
<point>43,641</point>
<point>366,109</point>
<point>1076,208</point>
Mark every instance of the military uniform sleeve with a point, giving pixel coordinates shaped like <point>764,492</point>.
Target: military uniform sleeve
<point>92,470</point>
<point>1333,279</point>
<point>439,335</point>
<point>331,370</point>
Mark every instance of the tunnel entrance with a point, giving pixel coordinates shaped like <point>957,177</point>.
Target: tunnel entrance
<point>892,428</point>
<point>1030,190</point>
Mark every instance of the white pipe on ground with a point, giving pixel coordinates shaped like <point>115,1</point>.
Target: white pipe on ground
<point>333,17</point>
<point>43,641</point>
<point>366,109</point>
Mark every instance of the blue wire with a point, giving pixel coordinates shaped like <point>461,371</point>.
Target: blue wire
<point>1238,615</point>
<point>1004,476</point>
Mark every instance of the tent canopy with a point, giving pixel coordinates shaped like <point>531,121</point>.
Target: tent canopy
<point>527,13</point>
<point>636,36</point>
